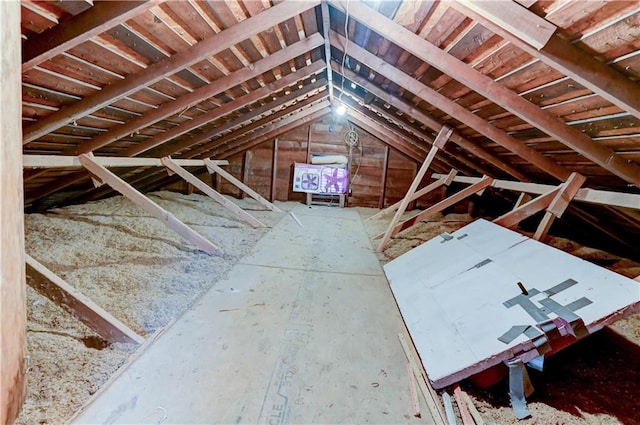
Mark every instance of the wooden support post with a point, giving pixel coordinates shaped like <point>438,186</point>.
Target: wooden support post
<point>244,173</point>
<point>559,204</point>
<point>203,187</point>
<point>445,203</point>
<point>522,199</point>
<point>13,308</point>
<point>515,216</point>
<point>213,168</point>
<point>383,183</point>
<point>442,181</point>
<point>149,206</point>
<point>438,143</point>
<point>57,290</point>
<point>274,171</point>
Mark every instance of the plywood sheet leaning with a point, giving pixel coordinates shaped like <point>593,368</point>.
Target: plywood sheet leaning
<point>515,298</point>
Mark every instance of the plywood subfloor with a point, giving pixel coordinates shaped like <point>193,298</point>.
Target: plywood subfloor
<point>302,330</point>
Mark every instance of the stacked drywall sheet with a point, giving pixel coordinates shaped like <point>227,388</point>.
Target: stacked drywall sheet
<point>485,295</point>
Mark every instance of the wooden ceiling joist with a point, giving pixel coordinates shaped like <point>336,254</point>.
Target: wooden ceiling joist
<point>588,195</point>
<point>63,161</point>
<point>190,99</point>
<point>159,70</point>
<point>562,55</point>
<point>482,84</point>
<point>80,28</point>
<point>432,123</point>
<point>452,108</point>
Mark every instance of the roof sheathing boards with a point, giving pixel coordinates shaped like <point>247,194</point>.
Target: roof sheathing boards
<point>129,47</point>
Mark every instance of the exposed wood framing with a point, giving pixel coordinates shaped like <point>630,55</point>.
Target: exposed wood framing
<point>324,7</point>
<point>95,317</point>
<point>458,394</point>
<point>80,28</point>
<point>591,196</point>
<point>190,99</point>
<point>450,107</point>
<point>296,98</point>
<point>116,183</point>
<point>204,188</point>
<point>559,204</point>
<point>159,70</point>
<point>560,54</point>
<point>60,161</point>
<point>277,128</point>
<point>215,169</point>
<point>434,124</point>
<point>537,204</point>
<point>445,203</point>
<point>438,144</point>
<point>274,170</point>
<point>442,181</point>
<point>545,121</point>
<point>13,307</point>
<point>383,182</point>
<point>515,19</point>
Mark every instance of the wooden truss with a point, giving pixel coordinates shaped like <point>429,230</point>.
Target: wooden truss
<point>97,168</point>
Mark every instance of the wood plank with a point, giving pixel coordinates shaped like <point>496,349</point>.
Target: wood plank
<point>515,216</point>
<point>148,205</point>
<point>166,67</point>
<point>430,396</point>
<point>92,315</point>
<point>13,307</point>
<point>565,57</point>
<point>559,204</point>
<point>442,181</point>
<point>190,99</point>
<point>511,101</point>
<point>213,168</point>
<point>452,108</point>
<point>445,203</point>
<point>77,29</point>
<point>203,187</point>
<point>515,19</point>
<point>458,394</point>
<point>274,170</point>
<point>592,196</point>
<point>60,161</point>
<point>472,409</point>
<point>383,182</point>
<point>413,393</point>
<point>438,144</point>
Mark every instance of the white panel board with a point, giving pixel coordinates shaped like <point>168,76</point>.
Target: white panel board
<point>451,291</point>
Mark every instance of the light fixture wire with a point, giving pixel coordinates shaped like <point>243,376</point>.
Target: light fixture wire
<point>344,53</point>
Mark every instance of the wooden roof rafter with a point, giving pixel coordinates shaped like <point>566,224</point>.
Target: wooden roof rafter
<point>484,85</point>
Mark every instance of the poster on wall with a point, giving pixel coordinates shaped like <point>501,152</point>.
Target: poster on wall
<point>310,178</point>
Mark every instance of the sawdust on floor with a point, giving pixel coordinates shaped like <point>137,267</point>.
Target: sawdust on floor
<point>593,382</point>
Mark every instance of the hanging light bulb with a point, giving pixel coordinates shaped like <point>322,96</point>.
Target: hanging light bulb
<point>341,109</point>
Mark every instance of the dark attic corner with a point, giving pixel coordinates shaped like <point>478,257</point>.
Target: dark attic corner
<point>259,211</point>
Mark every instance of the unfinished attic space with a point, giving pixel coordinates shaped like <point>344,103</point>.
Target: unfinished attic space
<point>336,211</point>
